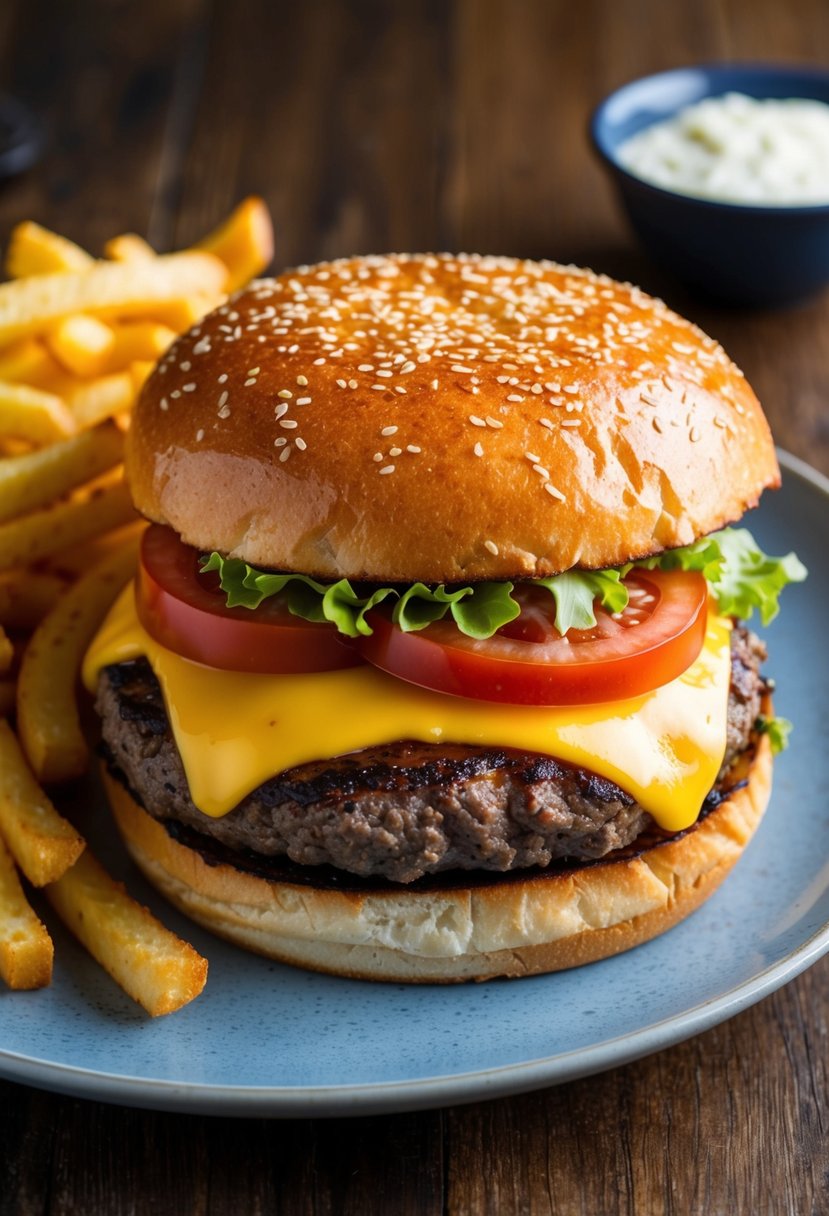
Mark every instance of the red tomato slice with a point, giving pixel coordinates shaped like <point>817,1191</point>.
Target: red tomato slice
<point>528,662</point>
<point>186,612</point>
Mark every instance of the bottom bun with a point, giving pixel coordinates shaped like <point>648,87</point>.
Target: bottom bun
<point>508,927</point>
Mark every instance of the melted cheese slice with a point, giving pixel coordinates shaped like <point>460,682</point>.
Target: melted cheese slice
<point>235,731</point>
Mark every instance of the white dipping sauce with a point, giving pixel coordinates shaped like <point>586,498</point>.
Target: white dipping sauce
<point>737,149</point>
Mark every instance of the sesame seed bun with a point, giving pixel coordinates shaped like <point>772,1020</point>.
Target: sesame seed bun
<point>522,926</point>
<point>445,418</point>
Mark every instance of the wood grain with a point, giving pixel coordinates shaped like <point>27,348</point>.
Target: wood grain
<point>426,124</point>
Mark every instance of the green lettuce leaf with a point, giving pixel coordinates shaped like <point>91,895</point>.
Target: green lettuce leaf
<point>749,578</point>
<point>777,729</point>
<point>741,576</point>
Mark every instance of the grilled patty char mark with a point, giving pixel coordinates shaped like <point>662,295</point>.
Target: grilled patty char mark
<point>404,809</point>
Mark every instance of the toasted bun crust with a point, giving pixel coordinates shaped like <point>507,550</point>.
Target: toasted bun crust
<point>445,418</point>
<point>512,928</point>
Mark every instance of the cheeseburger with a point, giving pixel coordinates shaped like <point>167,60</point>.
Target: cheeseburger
<point>435,667</point>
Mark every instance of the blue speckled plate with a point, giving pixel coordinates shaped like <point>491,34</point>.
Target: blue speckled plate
<point>265,1039</point>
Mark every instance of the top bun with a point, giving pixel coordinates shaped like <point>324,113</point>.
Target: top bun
<point>445,418</point>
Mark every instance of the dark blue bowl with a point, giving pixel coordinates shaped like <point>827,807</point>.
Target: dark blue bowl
<point>741,254</point>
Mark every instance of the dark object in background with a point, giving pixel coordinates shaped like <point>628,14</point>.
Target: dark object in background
<point>742,254</point>
<point>21,137</point>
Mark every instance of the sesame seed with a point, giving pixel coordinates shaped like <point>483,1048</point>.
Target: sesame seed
<point>342,384</point>
<point>657,425</point>
<point>188,388</point>
<point>365,367</point>
<point>459,367</point>
<point>223,378</point>
<point>389,430</point>
<point>433,385</point>
<point>407,367</point>
<point>351,384</point>
<point>383,372</point>
<point>532,457</point>
<point>493,422</point>
<point>280,442</point>
<point>395,451</point>
<point>254,371</point>
<point>516,397</point>
<point>303,400</point>
<point>388,468</point>
<point>285,394</point>
<point>694,435</point>
<point>571,422</point>
<point>185,367</point>
<point>199,435</point>
<point>223,398</point>
<point>300,443</point>
<point>285,453</point>
<point>281,410</point>
<point>164,404</point>
<point>546,423</point>
<point>476,421</point>
<point>301,381</point>
<point>541,471</point>
<point>398,388</point>
<point>319,362</point>
<point>491,546</point>
<point>478,449</point>
<point>382,388</point>
<point>412,447</point>
<point>290,424</point>
<point>176,393</point>
<point>378,456</point>
<point>551,489</point>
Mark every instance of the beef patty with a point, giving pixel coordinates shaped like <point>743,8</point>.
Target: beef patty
<point>404,809</point>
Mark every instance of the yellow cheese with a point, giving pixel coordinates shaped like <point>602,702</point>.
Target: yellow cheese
<point>235,731</point>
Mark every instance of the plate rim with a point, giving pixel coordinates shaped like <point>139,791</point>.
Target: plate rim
<point>428,1092</point>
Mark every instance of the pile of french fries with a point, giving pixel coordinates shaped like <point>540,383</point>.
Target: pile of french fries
<point>78,337</point>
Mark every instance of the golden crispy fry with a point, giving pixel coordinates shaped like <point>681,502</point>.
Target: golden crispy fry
<point>128,247</point>
<point>137,340</point>
<point>47,711</point>
<point>153,966</point>
<point>41,841</point>
<point>34,305</point>
<point>100,399</point>
<point>140,370</point>
<point>8,698</point>
<point>43,533</point>
<point>32,480</point>
<point>244,242</point>
<point>36,250</point>
<point>26,596</point>
<point>72,562</point>
<point>28,362</point>
<point>31,413</point>
<point>82,344</point>
<point>180,314</point>
<point>6,651</point>
<point>26,950</point>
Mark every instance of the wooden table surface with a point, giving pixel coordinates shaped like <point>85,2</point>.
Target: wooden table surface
<point>371,125</point>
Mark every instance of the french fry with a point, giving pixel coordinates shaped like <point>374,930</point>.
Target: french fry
<point>30,413</point>
<point>42,842</point>
<point>82,344</point>
<point>128,247</point>
<point>180,314</point>
<point>244,242</point>
<point>43,533</point>
<point>32,480</point>
<point>140,370</point>
<point>34,305</point>
<point>8,697</point>
<point>26,950</point>
<point>136,340</point>
<point>100,399</point>
<point>26,596</point>
<point>28,362</point>
<point>76,560</point>
<point>47,711</point>
<point>35,250</point>
<point>153,966</point>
